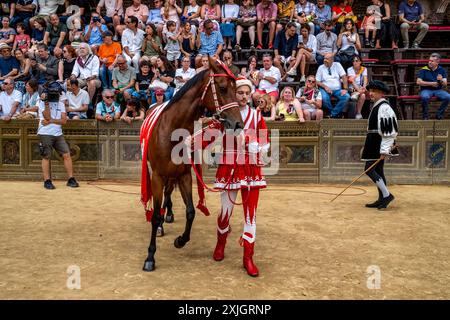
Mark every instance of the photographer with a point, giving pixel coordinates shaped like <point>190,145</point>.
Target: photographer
<point>93,33</point>
<point>52,115</point>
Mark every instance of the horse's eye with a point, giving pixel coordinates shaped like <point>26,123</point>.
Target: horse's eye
<point>223,89</point>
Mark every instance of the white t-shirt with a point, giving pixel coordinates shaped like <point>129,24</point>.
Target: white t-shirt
<point>332,81</point>
<point>273,72</point>
<point>76,101</point>
<point>230,11</point>
<point>310,44</point>
<point>358,79</point>
<point>52,129</point>
<point>48,7</point>
<point>6,101</point>
<point>186,75</point>
<point>133,41</point>
<point>110,6</point>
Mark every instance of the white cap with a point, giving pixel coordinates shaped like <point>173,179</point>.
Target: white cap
<point>243,82</point>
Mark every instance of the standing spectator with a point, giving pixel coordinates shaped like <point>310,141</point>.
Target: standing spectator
<point>164,72</point>
<point>210,10</point>
<point>183,74</point>
<point>45,66</point>
<point>285,48</point>
<point>411,16</point>
<point>10,100</point>
<point>358,81</point>
<point>288,107</point>
<point>329,77</point>
<point>143,80</point>
<point>230,12</point>
<point>107,110</point>
<point>137,10</point>
<point>66,64</point>
<point>151,45</point>
<point>133,112</point>
<point>388,33</point>
<point>246,20</point>
<point>311,100</point>
<point>307,10</point>
<point>114,11</point>
<point>7,34</point>
<point>266,12</point>
<point>52,116</point>
<point>348,43</point>
<point>267,108</point>
<point>93,33</point>
<point>172,47</point>
<point>77,102</point>
<point>30,101</point>
<point>326,42</point>
<point>56,34</point>
<point>268,80</point>
<point>307,46</point>
<point>86,69</point>
<point>132,39</point>
<point>155,16</point>
<point>171,12</point>
<point>9,66</point>
<point>285,13</point>
<point>22,40</point>
<point>24,11</point>
<point>228,59</point>
<point>342,11</point>
<point>322,13</point>
<point>23,74</point>
<point>209,42</point>
<point>108,53</point>
<point>432,80</point>
<point>187,42</point>
<point>123,78</point>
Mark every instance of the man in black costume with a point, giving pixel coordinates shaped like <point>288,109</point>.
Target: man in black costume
<point>382,130</point>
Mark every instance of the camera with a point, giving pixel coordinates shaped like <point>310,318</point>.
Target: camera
<point>52,92</point>
<point>96,19</point>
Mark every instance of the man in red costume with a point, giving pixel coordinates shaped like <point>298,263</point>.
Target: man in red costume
<point>242,173</point>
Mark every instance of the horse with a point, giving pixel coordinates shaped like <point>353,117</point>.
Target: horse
<point>213,89</point>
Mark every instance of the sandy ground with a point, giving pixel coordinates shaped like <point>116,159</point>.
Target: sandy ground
<point>306,247</point>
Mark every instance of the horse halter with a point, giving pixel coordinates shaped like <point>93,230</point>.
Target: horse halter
<point>211,82</point>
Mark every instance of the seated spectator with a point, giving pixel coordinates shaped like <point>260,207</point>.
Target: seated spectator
<point>411,16</point>
<point>307,46</point>
<point>230,12</point>
<point>172,47</point>
<point>22,40</point>
<point>285,13</point>
<point>246,20</point>
<point>9,66</point>
<point>132,38</point>
<point>204,64</point>
<point>66,64</point>
<point>56,34</point>
<point>24,11</point>
<point>183,74</point>
<point>114,11</point>
<point>123,78</point>
<point>342,11</point>
<point>370,24</point>
<point>251,72</point>
<point>348,43</point>
<point>311,100</point>
<point>304,14</point>
<point>10,100</point>
<point>187,42</point>
<point>76,33</point>
<point>86,70</point>
<point>108,52</point>
<point>155,17</point>
<point>45,67</point>
<point>107,110</point>
<point>171,12</point>
<point>358,81</point>
<point>191,14</point>
<point>29,109</point>
<point>93,33</point>
<point>387,34</point>
<point>164,72</point>
<point>432,80</point>
<point>137,10</point>
<point>210,10</point>
<point>23,75</point>
<point>329,77</point>
<point>266,12</point>
<point>132,112</point>
<point>159,94</point>
<point>322,14</point>
<point>37,34</point>
<point>268,80</point>
<point>228,59</point>
<point>267,108</point>
<point>288,107</point>
<point>209,42</point>
<point>48,7</point>
<point>326,43</point>
<point>285,48</point>
<point>141,89</point>
<point>77,102</point>
<point>151,45</point>
<point>75,8</point>
<point>7,34</point>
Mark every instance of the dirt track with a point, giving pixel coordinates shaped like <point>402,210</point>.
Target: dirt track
<point>306,247</point>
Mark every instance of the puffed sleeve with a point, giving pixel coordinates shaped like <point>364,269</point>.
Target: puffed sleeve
<point>387,128</point>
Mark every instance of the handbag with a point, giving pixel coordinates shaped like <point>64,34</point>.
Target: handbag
<point>158,84</point>
<point>346,56</point>
<point>246,24</point>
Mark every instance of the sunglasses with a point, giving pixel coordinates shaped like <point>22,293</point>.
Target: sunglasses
<point>311,81</point>
<point>109,97</point>
<point>329,71</point>
<point>260,101</point>
<point>121,63</point>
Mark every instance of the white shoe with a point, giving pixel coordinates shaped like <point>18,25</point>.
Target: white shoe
<point>290,79</point>
<point>303,79</point>
<point>292,72</point>
<point>358,116</point>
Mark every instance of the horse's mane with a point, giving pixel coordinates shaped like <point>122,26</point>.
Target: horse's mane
<point>186,87</point>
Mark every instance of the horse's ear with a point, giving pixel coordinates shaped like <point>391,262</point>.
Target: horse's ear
<point>213,63</point>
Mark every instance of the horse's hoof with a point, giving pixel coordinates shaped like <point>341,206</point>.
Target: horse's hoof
<point>170,218</point>
<point>160,232</point>
<point>149,266</point>
<point>179,243</point>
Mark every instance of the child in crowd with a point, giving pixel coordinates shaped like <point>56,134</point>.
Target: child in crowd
<point>173,46</point>
<point>132,112</point>
<point>370,24</point>
<point>22,40</point>
<point>143,80</point>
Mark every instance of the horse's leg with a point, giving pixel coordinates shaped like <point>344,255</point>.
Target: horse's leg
<point>168,202</point>
<point>185,185</point>
<point>157,189</point>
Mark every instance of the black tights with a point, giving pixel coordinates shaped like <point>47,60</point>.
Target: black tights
<point>376,173</point>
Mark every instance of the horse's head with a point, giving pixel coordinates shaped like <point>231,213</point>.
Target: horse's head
<point>220,95</point>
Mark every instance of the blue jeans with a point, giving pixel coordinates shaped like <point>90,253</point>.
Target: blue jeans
<point>342,101</point>
<point>139,95</point>
<point>106,77</point>
<point>167,94</point>
<point>441,95</point>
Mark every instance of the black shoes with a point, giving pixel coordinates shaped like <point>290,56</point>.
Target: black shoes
<point>374,204</point>
<point>72,183</point>
<point>49,185</point>
<point>385,201</point>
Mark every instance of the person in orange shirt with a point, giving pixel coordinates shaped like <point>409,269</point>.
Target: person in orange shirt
<point>108,53</point>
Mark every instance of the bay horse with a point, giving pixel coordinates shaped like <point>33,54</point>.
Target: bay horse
<point>213,89</point>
